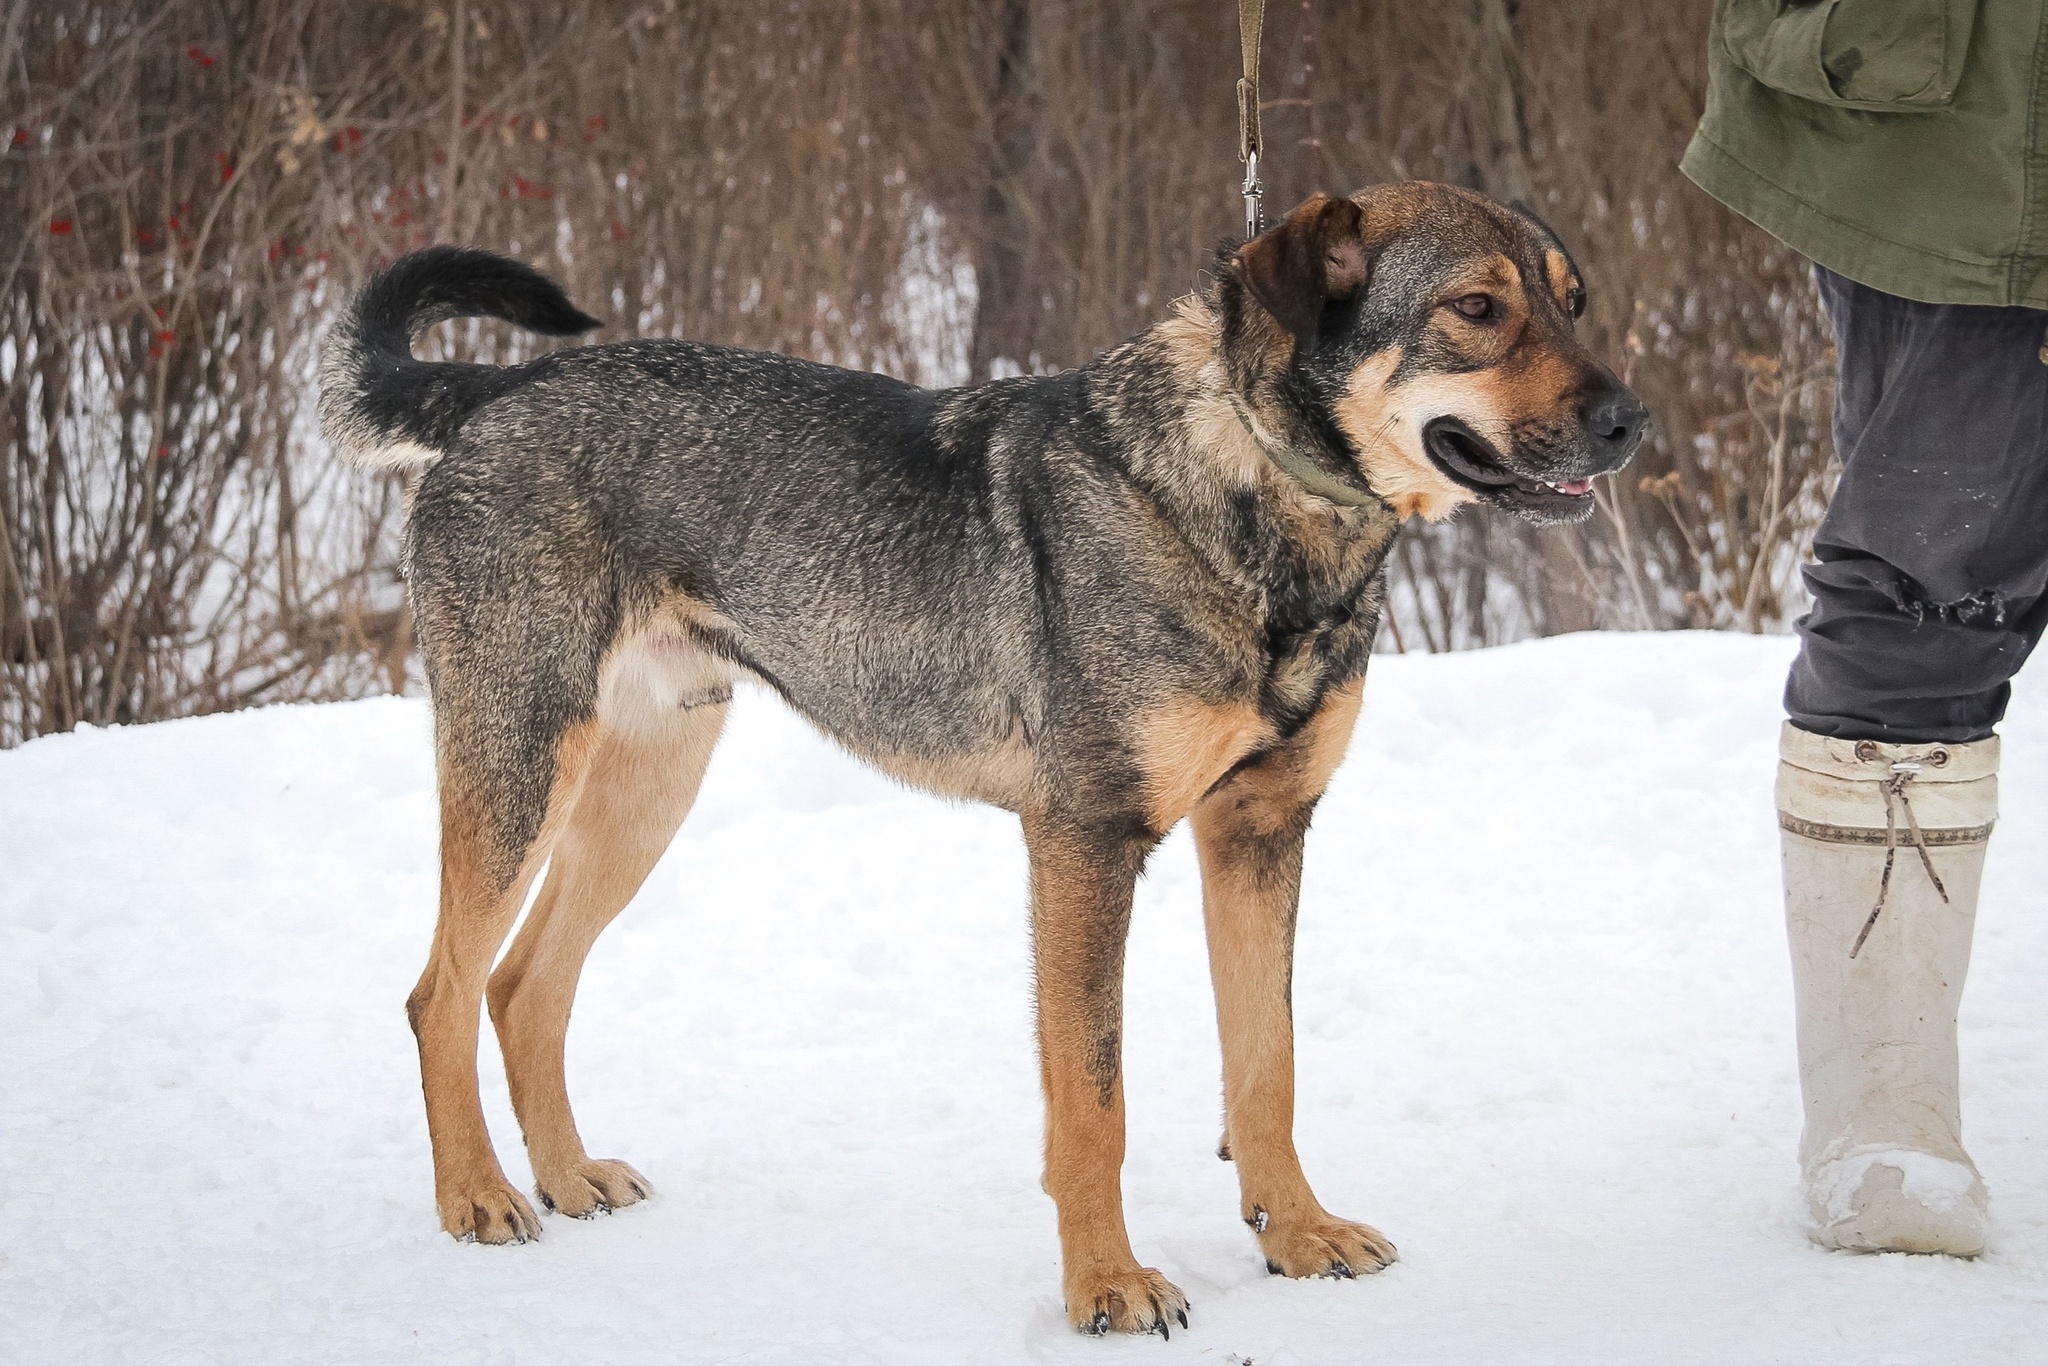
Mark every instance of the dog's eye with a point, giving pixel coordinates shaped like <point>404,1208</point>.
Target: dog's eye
<point>1575,301</point>
<point>1477,307</point>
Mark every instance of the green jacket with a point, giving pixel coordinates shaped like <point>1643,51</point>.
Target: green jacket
<point>1902,143</point>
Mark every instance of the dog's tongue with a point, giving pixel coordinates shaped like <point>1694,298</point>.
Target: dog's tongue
<point>1574,487</point>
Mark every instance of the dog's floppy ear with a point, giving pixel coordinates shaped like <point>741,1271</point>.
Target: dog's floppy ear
<point>1315,255</point>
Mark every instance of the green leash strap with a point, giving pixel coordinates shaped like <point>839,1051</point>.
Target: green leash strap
<point>1251,17</point>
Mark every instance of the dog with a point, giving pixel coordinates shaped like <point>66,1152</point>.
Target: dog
<point>1107,600</point>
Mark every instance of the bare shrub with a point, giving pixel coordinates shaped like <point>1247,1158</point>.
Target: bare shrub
<point>943,191</point>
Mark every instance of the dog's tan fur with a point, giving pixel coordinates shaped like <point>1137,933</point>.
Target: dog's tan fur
<point>1080,912</point>
<point>1186,745</point>
<point>1192,339</point>
<point>640,785</point>
<point>1559,275</point>
<point>1000,775</point>
<point>1382,424</point>
<point>1247,836</point>
<point>479,902</point>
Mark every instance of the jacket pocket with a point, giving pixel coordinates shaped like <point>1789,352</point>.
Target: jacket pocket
<point>1898,56</point>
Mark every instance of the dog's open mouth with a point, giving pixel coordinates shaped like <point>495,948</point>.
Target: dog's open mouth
<point>1470,460</point>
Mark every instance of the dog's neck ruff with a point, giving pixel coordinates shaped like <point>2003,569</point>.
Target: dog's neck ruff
<point>1300,468</point>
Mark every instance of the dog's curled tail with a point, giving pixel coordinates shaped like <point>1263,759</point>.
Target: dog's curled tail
<point>382,408</point>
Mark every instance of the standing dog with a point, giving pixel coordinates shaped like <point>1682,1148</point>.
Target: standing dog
<point>1108,600</point>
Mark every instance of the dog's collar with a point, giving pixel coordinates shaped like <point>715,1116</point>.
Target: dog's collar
<point>1300,468</point>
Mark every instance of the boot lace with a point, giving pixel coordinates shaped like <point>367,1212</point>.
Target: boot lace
<point>1903,771</point>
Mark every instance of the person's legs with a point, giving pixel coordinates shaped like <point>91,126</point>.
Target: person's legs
<point>1930,585</point>
<point>1930,589</point>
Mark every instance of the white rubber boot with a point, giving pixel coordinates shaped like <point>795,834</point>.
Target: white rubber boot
<point>1883,851</point>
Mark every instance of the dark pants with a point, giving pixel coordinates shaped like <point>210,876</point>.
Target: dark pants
<point>1931,585</point>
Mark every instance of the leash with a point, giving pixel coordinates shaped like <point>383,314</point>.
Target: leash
<point>1903,772</point>
<point>1251,17</point>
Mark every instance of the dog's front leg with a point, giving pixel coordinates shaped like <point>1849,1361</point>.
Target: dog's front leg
<point>1081,887</point>
<point>1249,834</point>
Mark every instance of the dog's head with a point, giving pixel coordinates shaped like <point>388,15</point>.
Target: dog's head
<point>1425,334</point>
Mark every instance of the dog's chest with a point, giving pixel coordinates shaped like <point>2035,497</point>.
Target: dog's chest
<point>1303,658</point>
<point>1184,746</point>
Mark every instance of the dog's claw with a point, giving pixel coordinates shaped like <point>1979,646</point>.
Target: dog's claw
<point>591,1187</point>
<point>520,1226</point>
<point>1183,1317</point>
<point>1325,1246</point>
<point>1136,1300</point>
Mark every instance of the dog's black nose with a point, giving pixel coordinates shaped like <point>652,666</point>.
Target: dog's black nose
<point>1614,419</point>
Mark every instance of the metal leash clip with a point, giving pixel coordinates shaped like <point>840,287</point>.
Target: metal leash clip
<point>1254,197</point>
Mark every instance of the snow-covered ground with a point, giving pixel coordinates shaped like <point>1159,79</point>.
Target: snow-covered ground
<point>1544,1030</point>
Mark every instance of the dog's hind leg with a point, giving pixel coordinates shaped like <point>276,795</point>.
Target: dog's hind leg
<point>502,798</point>
<point>639,788</point>
<point>1081,886</point>
<point>1249,834</point>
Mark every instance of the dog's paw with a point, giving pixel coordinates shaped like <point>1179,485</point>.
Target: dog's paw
<point>1135,1300</point>
<point>1322,1245</point>
<point>489,1212</point>
<point>592,1187</point>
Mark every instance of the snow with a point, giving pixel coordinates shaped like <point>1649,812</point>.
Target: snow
<point>1542,1001</point>
<point>1939,1184</point>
